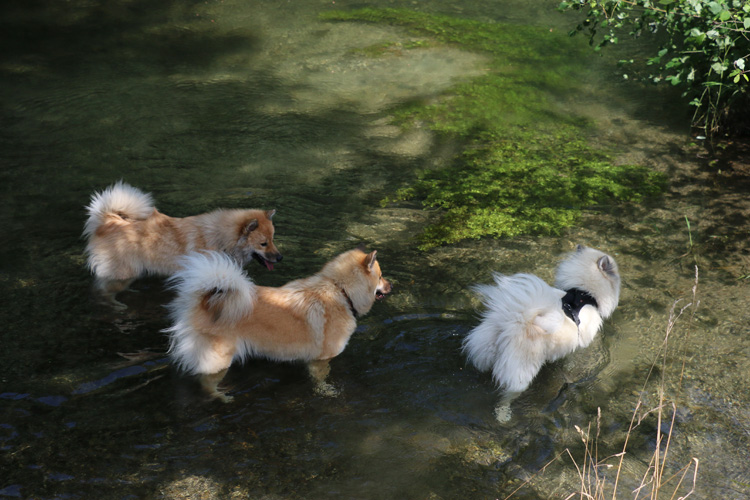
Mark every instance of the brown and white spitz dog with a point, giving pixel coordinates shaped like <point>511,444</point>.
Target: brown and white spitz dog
<point>128,238</point>
<point>219,315</point>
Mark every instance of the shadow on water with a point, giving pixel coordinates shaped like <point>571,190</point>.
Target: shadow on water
<point>65,40</point>
<point>171,100</point>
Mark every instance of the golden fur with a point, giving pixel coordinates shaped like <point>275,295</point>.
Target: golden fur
<point>128,238</point>
<point>219,315</point>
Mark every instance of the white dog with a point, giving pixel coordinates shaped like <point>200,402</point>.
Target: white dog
<point>528,323</point>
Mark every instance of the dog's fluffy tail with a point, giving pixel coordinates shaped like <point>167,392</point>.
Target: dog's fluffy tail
<point>119,199</point>
<point>212,286</point>
<point>518,309</point>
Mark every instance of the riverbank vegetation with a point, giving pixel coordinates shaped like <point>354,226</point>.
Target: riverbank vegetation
<point>525,166</point>
<point>700,46</point>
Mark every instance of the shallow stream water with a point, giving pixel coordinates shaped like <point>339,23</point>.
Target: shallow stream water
<point>224,103</point>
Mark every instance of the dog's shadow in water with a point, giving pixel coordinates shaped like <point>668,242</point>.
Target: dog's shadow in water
<point>555,384</point>
<point>545,395</point>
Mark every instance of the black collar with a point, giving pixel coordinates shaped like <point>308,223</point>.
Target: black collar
<point>349,301</point>
<point>574,300</point>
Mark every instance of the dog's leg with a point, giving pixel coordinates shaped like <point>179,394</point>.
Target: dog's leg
<point>111,287</point>
<point>210,383</point>
<point>319,370</point>
<point>503,413</point>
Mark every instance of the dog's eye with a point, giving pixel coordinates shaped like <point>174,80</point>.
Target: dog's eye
<point>264,244</point>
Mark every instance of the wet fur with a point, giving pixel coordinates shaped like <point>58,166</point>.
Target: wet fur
<point>220,316</point>
<point>523,325</point>
<point>128,238</point>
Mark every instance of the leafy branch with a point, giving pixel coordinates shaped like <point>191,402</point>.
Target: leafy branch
<point>705,50</point>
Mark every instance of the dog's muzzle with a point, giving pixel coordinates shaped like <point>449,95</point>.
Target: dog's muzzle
<point>383,291</point>
<point>268,261</point>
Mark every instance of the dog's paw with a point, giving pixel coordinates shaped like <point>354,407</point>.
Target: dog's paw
<point>116,305</point>
<point>224,398</point>
<point>110,303</point>
<point>326,389</point>
<point>503,413</point>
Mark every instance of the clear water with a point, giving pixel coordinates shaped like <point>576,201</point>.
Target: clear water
<point>258,104</point>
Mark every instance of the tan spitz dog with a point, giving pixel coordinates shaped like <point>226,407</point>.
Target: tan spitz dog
<point>128,238</point>
<point>219,315</point>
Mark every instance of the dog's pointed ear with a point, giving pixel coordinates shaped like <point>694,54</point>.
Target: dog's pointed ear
<point>370,259</point>
<point>607,265</point>
<point>248,227</point>
<point>270,213</point>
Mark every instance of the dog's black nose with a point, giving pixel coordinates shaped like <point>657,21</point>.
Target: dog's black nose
<point>279,257</point>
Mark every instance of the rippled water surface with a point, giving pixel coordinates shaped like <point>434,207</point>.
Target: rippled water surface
<point>228,103</point>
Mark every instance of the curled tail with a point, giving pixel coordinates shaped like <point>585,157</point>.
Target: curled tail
<point>519,310</point>
<point>212,286</point>
<point>120,199</point>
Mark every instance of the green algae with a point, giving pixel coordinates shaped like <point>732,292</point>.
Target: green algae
<point>534,185</point>
<point>525,168</point>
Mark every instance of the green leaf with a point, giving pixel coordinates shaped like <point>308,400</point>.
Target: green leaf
<point>724,15</point>
<point>746,23</point>
<point>700,39</point>
<point>715,7</point>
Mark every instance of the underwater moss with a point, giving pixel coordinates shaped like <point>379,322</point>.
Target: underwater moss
<point>510,187</point>
<point>525,169</point>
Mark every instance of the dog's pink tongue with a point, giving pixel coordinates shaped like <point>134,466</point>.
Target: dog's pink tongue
<point>269,265</point>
